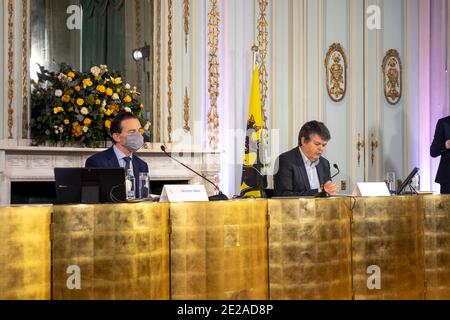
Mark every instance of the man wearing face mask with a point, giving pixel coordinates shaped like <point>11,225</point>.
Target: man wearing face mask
<point>125,133</point>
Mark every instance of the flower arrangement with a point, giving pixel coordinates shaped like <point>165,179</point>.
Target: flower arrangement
<point>75,107</point>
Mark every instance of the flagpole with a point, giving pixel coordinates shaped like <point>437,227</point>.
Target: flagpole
<point>255,51</point>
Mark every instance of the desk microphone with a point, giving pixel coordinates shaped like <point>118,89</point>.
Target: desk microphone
<point>337,168</point>
<point>218,197</point>
<point>323,193</point>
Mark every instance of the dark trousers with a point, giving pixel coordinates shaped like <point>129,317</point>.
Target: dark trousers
<point>445,188</point>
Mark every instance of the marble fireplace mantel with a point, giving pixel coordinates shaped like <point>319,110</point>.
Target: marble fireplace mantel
<point>25,163</point>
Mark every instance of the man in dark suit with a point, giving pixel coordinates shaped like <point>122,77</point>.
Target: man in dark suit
<point>303,171</point>
<point>125,133</point>
<point>440,147</point>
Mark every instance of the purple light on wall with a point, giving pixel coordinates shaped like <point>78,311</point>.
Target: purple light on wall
<point>433,83</point>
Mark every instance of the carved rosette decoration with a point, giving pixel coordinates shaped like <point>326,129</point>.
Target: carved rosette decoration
<point>392,76</point>
<point>213,78</point>
<point>186,112</point>
<point>158,71</point>
<point>186,5</point>
<point>336,69</point>
<point>25,69</point>
<point>263,42</point>
<point>170,70</point>
<point>10,68</point>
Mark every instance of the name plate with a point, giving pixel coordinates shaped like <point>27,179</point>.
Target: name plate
<point>373,189</point>
<point>184,193</point>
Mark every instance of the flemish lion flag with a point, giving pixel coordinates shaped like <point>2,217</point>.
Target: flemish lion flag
<point>254,177</point>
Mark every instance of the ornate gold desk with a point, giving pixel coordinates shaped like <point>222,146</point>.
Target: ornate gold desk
<point>387,233</point>
<point>219,250</point>
<point>246,249</point>
<point>309,249</point>
<point>122,251</point>
<point>437,246</point>
<point>25,253</point>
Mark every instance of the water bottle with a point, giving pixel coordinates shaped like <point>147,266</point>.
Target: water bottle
<point>144,185</point>
<point>130,187</point>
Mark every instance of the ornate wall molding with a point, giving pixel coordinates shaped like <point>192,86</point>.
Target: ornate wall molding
<point>170,70</point>
<point>186,127</point>
<point>263,43</point>
<point>25,106</point>
<point>214,74</point>
<point>392,77</point>
<point>336,68</point>
<point>158,71</point>
<point>10,68</point>
<point>186,14</point>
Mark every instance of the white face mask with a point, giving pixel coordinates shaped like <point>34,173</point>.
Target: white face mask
<point>134,142</point>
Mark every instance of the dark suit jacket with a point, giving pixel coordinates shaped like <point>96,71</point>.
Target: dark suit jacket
<point>291,179</point>
<point>108,159</point>
<point>438,148</point>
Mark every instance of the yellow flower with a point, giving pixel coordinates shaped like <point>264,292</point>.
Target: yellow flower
<point>98,101</point>
<point>98,78</point>
<point>87,122</point>
<point>87,83</point>
<point>58,110</point>
<point>77,131</point>
<point>127,99</point>
<point>66,121</point>
<point>80,102</point>
<point>70,109</point>
<point>142,106</point>
<point>65,98</point>
<point>101,88</point>
<point>117,80</point>
<point>71,74</point>
<point>77,88</point>
<point>75,124</point>
<point>141,131</point>
<point>108,124</point>
<point>109,92</point>
<point>118,90</point>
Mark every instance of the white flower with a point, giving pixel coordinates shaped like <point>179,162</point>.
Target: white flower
<point>85,129</point>
<point>58,93</point>
<point>69,79</point>
<point>104,103</point>
<point>56,131</point>
<point>96,71</point>
<point>61,130</point>
<point>147,126</point>
<point>115,96</point>
<point>128,109</point>
<point>127,86</point>
<point>84,111</point>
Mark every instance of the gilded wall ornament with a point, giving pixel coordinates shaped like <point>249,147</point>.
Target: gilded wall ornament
<point>392,76</point>
<point>214,74</point>
<point>10,68</point>
<point>336,69</point>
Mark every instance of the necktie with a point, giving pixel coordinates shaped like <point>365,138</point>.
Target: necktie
<point>127,163</point>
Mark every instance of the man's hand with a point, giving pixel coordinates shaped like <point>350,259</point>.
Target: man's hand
<point>331,188</point>
<point>447,144</point>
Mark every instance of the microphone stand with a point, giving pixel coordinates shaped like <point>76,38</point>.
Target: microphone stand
<point>323,193</point>
<point>219,197</point>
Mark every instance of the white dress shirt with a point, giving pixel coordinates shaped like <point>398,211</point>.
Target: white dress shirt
<point>120,155</point>
<point>311,171</point>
